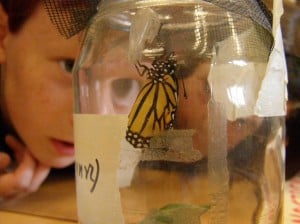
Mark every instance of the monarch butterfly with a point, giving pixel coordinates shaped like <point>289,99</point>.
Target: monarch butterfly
<point>155,106</point>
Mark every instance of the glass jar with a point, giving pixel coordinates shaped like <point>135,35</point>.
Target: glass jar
<point>172,115</point>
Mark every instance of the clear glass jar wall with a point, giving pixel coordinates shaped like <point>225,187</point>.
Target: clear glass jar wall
<point>185,78</point>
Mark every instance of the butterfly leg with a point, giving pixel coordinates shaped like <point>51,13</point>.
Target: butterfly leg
<point>145,69</point>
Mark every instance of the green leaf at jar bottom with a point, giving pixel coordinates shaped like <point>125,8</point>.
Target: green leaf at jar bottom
<point>176,214</point>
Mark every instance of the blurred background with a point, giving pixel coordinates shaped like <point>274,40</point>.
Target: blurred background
<point>291,37</point>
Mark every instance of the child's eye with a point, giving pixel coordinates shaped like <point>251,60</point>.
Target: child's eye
<point>67,65</point>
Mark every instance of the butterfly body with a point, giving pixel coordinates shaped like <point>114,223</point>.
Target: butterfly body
<point>155,106</point>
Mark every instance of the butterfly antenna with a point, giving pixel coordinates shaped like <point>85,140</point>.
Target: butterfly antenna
<point>184,90</point>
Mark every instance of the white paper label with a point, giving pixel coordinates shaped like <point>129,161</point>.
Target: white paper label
<point>97,156</point>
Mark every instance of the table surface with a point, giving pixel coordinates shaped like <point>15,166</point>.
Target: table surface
<point>19,218</point>
<point>53,203</point>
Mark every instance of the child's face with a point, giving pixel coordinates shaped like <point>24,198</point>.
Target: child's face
<point>38,91</point>
<point>193,112</point>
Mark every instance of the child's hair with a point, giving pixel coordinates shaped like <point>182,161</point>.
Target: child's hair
<point>18,12</point>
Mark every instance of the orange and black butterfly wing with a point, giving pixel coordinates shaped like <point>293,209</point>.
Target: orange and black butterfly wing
<point>153,111</point>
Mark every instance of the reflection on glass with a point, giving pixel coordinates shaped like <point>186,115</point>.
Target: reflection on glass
<point>179,84</point>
